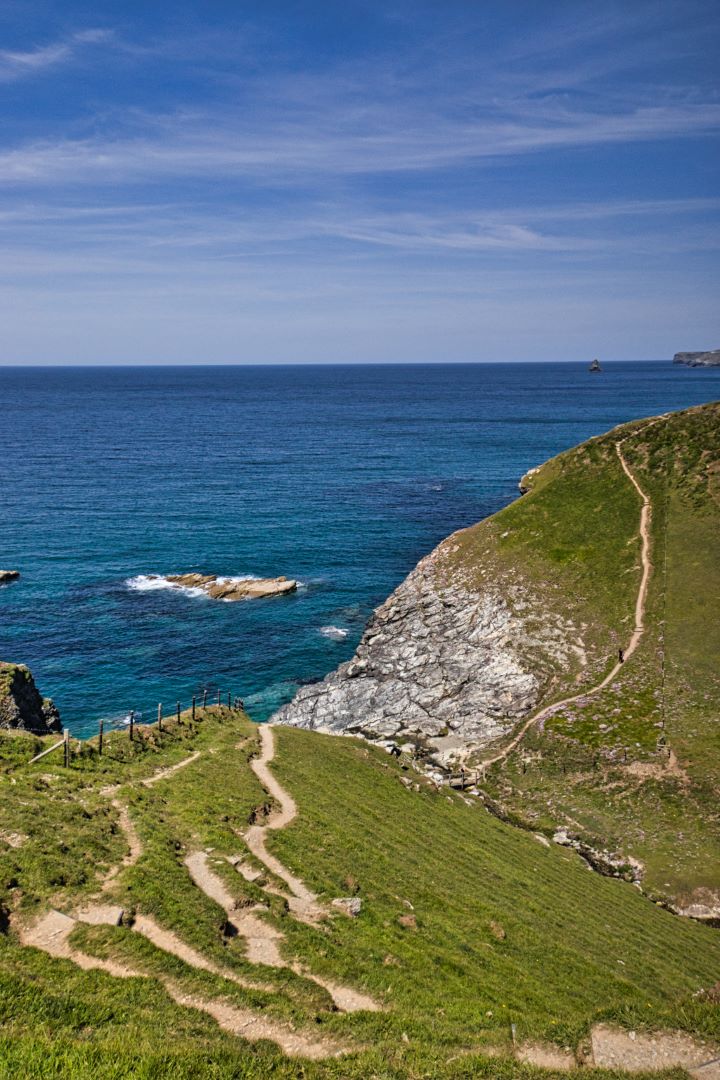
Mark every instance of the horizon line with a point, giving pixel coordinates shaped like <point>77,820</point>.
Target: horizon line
<point>316,363</point>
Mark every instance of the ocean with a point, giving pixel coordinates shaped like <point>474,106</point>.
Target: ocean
<point>339,476</point>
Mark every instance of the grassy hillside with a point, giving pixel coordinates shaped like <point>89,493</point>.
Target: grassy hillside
<point>633,769</point>
<point>467,925</point>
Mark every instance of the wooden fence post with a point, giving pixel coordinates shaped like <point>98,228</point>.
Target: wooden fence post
<point>100,737</point>
<point>66,737</point>
<point>193,709</point>
<point>219,698</point>
<point>160,717</point>
<point>228,699</point>
<point>132,723</point>
<point>178,712</point>
<point>204,700</point>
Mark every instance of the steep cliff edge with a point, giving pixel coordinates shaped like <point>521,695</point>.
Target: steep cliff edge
<point>443,664</point>
<point>532,607</point>
<point>21,705</point>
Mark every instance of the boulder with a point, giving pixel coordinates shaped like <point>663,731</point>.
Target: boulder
<point>8,575</point>
<point>351,905</point>
<point>21,705</point>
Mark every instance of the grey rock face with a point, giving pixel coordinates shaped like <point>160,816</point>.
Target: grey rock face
<point>711,358</point>
<point>439,664</point>
<point>21,705</point>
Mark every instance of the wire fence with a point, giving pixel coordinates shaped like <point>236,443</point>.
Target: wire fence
<point>134,719</point>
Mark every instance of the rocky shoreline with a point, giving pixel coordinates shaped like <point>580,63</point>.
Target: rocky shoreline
<point>442,667</point>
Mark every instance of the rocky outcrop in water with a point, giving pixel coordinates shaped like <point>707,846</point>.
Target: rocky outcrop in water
<point>710,358</point>
<point>21,705</point>
<point>441,665</point>
<point>7,576</point>
<point>222,588</point>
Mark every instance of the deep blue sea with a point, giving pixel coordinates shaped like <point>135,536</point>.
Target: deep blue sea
<point>341,477</point>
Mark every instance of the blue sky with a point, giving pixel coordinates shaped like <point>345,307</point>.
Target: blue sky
<point>315,182</point>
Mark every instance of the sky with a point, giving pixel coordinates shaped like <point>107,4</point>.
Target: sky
<point>282,182</point>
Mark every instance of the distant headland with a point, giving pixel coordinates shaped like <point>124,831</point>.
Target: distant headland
<point>711,358</point>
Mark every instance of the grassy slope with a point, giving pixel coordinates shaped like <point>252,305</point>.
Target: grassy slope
<point>603,768</point>
<point>577,947</point>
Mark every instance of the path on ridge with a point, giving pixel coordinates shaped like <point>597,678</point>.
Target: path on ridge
<point>638,630</point>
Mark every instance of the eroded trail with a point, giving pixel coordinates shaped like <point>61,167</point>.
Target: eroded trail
<point>638,629</point>
<point>277,819</point>
<point>263,940</point>
<point>51,933</point>
<point>163,774</point>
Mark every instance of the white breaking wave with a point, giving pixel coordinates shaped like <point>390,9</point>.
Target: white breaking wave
<point>150,582</point>
<point>337,633</point>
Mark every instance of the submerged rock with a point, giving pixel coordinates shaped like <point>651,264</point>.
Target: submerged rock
<point>21,705</point>
<point>229,588</point>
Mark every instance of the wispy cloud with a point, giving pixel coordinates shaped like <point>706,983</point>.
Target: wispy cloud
<point>218,145</point>
<point>22,64</point>
<point>447,178</point>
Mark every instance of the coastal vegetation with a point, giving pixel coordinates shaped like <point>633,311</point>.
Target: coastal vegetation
<point>561,657</point>
<point>633,769</point>
<point>474,938</point>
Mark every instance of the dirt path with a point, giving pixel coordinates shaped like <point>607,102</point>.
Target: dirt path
<point>278,819</point>
<point>134,845</point>
<point>163,774</point>
<point>262,939</point>
<point>51,934</point>
<point>638,630</point>
<point>638,1051</point>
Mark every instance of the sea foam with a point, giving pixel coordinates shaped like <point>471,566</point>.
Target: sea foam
<point>152,582</point>
<point>336,633</point>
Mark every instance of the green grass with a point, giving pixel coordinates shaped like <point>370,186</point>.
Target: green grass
<point>580,769</point>
<point>577,947</point>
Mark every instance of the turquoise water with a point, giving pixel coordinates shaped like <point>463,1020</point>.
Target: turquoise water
<point>341,477</point>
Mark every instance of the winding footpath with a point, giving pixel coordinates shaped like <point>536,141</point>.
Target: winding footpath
<point>52,931</point>
<point>261,938</point>
<point>638,630</point>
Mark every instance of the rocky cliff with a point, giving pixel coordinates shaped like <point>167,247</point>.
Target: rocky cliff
<point>21,705</point>
<point>465,647</point>
<point>698,359</point>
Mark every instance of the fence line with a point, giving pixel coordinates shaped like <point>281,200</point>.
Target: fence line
<point>131,721</point>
